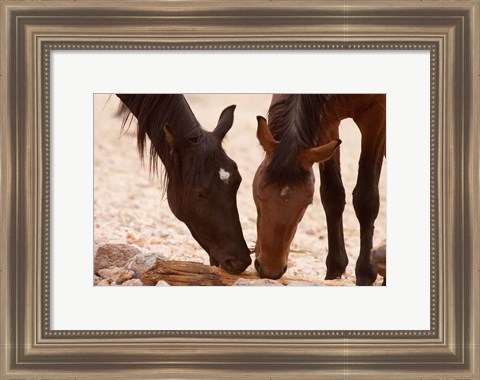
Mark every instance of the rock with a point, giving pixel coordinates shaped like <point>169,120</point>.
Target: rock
<point>117,275</point>
<point>378,258</point>
<point>96,279</point>
<point>133,282</point>
<point>162,283</point>
<point>97,243</point>
<point>337,282</point>
<point>103,282</point>
<point>113,255</point>
<point>143,262</point>
<point>300,283</point>
<point>259,282</point>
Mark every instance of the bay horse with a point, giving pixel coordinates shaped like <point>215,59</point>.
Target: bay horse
<point>303,130</point>
<point>200,180</point>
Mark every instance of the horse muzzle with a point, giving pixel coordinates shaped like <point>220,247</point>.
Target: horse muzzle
<point>236,265</point>
<point>272,274</point>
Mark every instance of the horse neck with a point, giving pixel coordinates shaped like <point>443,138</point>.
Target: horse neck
<point>343,106</point>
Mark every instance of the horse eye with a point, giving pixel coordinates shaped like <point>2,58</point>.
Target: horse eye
<point>199,193</point>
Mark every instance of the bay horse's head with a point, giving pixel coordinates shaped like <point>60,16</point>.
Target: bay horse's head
<point>281,201</point>
<point>202,193</point>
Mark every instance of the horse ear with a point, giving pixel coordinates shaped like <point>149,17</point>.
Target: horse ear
<point>225,122</point>
<point>318,154</point>
<point>177,143</point>
<point>169,135</point>
<point>265,137</point>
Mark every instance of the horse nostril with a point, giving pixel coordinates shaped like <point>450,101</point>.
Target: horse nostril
<point>234,266</point>
<point>228,265</point>
<point>259,269</point>
<point>270,275</point>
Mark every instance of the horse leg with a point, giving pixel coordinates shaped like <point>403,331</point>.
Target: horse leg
<point>332,194</point>
<point>366,199</point>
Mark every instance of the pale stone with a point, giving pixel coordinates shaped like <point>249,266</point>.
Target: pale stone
<point>259,282</point>
<point>378,258</point>
<point>104,282</point>
<point>113,255</point>
<point>143,262</point>
<point>118,275</point>
<point>300,283</point>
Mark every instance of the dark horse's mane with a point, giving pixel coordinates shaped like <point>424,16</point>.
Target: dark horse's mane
<point>296,122</point>
<point>152,112</point>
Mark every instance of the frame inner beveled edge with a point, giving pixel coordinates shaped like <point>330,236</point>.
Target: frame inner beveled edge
<point>48,47</point>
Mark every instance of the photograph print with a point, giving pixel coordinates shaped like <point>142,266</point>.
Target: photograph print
<point>239,189</point>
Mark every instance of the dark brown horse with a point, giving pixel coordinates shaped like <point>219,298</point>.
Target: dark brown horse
<point>303,130</point>
<point>201,181</point>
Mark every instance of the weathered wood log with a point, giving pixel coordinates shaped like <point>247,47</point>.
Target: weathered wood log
<point>186,273</point>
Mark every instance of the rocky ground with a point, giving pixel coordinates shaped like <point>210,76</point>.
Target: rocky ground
<point>129,208</point>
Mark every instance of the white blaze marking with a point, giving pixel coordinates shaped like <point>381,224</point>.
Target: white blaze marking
<point>284,191</point>
<point>224,175</point>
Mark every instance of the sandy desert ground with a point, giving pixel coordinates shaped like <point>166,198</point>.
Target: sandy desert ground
<point>128,203</point>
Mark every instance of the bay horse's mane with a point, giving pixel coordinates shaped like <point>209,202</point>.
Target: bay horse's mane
<point>296,121</point>
<point>152,112</point>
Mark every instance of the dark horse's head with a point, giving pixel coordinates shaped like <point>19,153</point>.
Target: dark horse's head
<point>201,180</point>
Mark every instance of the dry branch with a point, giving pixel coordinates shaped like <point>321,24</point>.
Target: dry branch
<point>186,273</point>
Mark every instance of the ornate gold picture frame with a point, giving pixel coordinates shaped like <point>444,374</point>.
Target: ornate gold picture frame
<point>31,30</point>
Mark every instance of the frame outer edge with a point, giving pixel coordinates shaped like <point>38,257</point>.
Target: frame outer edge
<point>470,165</point>
<point>463,235</point>
<point>473,186</point>
<point>4,211</point>
<point>7,185</point>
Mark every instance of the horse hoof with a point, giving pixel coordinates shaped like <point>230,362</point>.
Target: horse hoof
<point>334,275</point>
<point>364,281</point>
